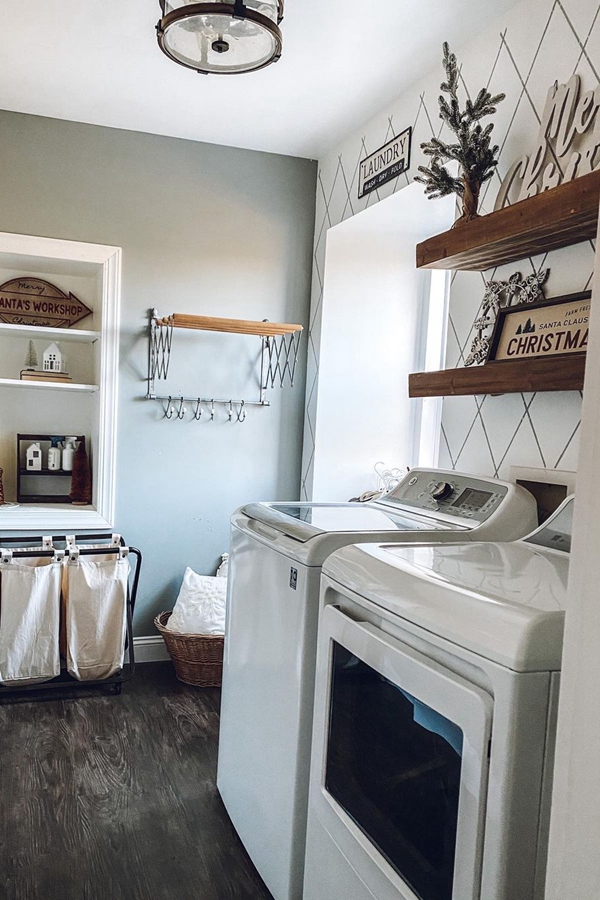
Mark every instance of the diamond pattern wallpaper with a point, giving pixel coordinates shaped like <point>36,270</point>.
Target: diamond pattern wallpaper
<point>535,44</point>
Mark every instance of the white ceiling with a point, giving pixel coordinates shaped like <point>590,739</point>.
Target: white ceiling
<point>98,61</point>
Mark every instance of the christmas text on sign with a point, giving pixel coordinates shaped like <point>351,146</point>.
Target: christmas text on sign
<point>385,164</point>
<point>548,328</point>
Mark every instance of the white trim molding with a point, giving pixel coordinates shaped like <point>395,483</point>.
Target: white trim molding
<point>573,858</point>
<point>150,648</point>
<point>106,261</point>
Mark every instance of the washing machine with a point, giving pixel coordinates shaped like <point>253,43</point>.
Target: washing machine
<point>277,550</point>
<point>435,715</point>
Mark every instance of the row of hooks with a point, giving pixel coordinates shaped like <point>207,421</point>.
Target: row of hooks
<point>198,412</point>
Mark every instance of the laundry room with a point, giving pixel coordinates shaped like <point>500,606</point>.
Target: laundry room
<point>297,468</point>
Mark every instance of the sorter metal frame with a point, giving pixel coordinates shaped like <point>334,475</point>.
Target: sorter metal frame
<point>64,680</point>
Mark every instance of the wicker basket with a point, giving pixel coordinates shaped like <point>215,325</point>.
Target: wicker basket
<point>198,658</point>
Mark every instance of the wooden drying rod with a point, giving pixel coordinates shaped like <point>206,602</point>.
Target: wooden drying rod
<point>231,326</point>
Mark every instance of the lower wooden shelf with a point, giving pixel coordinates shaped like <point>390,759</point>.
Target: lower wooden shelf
<point>550,373</point>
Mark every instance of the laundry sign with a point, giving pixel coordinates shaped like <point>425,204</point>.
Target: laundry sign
<point>548,328</point>
<point>385,164</point>
<point>33,301</point>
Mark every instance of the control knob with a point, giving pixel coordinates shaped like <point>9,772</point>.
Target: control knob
<point>441,490</point>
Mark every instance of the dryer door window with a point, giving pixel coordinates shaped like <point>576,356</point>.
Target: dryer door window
<point>394,766</point>
<point>401,746</point>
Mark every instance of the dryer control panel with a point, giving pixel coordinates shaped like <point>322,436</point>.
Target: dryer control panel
<point>450,493</point>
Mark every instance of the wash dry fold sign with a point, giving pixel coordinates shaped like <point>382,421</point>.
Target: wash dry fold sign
<point>33,301</point>
<point>385,164</point>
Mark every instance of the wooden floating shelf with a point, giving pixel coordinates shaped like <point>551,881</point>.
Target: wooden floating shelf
<point>549,373</point>
<point>229,326</point>
<point>70,335</point>
<point>567,214</point>
<point>49,385</point>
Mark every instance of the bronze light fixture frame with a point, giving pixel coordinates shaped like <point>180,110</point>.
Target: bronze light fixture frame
<point>237,10</point>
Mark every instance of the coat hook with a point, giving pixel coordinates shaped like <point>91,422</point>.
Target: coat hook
<point>198,411</point>
<point>169,410</point>
<point>230,410</point>
<point>182,410</point>
<point>212,410</point>
<point>241,415</point>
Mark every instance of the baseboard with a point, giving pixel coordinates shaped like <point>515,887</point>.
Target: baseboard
<point>150,648</point>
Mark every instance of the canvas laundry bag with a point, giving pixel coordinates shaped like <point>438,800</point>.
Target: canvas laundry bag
<point>95,611</point>
<point>100,557</point>
<point>29,619</point>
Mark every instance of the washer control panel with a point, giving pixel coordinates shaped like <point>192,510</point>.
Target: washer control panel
<point>451,493</point>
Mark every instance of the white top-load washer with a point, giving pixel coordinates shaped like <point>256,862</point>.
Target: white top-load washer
<point>434,720</point>
<point>277,550</point>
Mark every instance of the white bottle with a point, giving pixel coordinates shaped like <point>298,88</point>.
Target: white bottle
<point>68,454</point>
<point>54,455</point>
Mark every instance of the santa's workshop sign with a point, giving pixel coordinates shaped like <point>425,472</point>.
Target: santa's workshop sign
<point>33,301</point>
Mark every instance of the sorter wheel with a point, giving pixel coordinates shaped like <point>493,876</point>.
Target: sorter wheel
<point>114,689</point>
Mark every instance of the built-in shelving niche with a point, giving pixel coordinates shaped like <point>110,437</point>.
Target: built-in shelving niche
<point>88,404</point>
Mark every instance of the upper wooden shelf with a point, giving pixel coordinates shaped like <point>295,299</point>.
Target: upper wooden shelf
<point>557,218</point>
<point>545,373</point>
<point>230,326</point>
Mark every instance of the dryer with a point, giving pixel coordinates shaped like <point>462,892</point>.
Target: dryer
<point>277,551</point>
<point>434,723</point>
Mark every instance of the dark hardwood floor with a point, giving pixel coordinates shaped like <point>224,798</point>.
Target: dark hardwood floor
<point>114,798</point>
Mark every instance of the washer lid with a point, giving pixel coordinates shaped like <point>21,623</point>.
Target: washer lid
<point>503,601</point>
<point>304,521</point>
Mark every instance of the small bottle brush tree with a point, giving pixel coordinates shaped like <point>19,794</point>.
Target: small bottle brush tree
<point>472,151</point>
<point>31,360</point>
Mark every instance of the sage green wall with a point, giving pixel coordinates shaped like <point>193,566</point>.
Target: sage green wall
<point>204,229</point>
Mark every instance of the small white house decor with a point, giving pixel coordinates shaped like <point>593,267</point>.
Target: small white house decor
<point>33,456</point>
<point>52,359</point>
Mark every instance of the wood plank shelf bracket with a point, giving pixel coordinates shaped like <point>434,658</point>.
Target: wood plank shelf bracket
<point>280,344</point>
<point>553,373</point>
<point>564,215</point>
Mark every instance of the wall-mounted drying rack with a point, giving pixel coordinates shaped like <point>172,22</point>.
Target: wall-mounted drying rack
<point>280,344</point>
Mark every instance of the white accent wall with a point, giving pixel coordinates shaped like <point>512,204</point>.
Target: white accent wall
<point>520,54</point>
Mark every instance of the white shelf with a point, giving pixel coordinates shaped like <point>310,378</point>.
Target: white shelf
<point>72,335</point>
<point>49,385</point>
<point>42,517</point>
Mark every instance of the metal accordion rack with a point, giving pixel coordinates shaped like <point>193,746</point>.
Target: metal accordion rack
<point>280,344</point>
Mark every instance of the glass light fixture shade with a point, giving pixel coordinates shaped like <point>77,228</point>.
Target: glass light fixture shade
<point>221,36</point>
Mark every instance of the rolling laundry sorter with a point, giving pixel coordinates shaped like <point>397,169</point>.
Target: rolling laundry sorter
<point>66,607</point>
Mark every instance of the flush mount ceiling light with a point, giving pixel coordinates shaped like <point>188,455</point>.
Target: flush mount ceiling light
<point>221,36</point>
